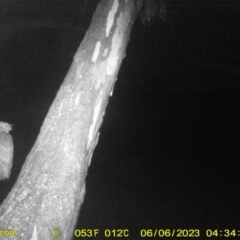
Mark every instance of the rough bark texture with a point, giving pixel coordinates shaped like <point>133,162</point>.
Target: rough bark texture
<point>51,186</point>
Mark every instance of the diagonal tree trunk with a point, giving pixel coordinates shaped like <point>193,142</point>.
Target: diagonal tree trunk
<point>50,188</point>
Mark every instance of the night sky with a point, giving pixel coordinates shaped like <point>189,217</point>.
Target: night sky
<point>168,153</point>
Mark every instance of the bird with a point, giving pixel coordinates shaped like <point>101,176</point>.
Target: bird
<point>6,150</point>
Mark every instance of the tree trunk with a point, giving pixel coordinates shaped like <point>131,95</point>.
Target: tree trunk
<point>50,188</point>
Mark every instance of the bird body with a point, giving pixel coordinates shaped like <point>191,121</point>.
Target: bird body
<point>6,150</point>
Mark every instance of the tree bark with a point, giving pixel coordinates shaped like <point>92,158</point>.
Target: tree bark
<point>50,188</point>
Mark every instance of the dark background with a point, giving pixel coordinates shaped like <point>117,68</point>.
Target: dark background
<point>168,154</point>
